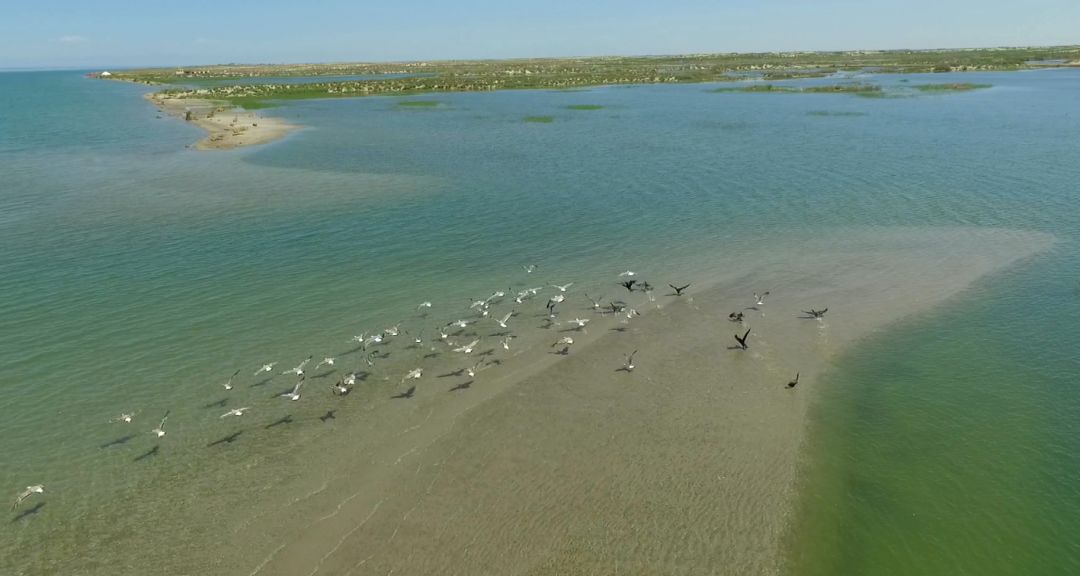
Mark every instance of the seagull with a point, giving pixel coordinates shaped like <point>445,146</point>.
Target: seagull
<point>793,382</point>
<point>494,296</point>
<point>349,379</point>
<point>580,322</point>
<point>473,370</point>
<point>817,314</point>
<point>616,306</point>
<point>563,287</point>
<point>735,316</point>
<point>502,321</point>
<point>629,284</point>
<point>373,339</point>
<point>631,313</point>
<point>459,323</point>
<point>506,342</point>
<point>124,417</point>
<point>299,370</point>
<point>359,338</point>
<point>423,305</point>
<point>529,269</point>
<point>629,365</point>
<point>393,330</point>
<point>678,290</point>
<point>521,296</point>
<point>595,303</point>
<point>742,341</point>
<point>442,334</point>
<point>265,368</point>
<point>565,340</point>
<point>468,348</point>
<point>30,491</point>
<point>627,273</point>
<point>235,412</point>
<point>160,430</point>
<point>536,290</point>
<point>228,385</point>
<point>760,298</point>
<point>328,361</point>
<point>419,338</point>
<point>339,389</point>
<point>413,374</point>
<point>294,395</point>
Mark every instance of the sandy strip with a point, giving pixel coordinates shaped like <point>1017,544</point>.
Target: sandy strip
<point>226,127</point>
<point>566,465</point>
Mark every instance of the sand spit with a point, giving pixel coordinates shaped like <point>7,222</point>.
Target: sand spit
<point>226,127</point>
<point>567,465</point>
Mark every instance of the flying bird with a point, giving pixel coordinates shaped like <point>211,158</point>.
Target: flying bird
<point>423,305</point>
<point>299,369</point>
<point>629,364</point>
<point>628,284</point>
<point>627,273</point>
<point>816,314</point>
<point>413,374</point>
<point>678,289</point>
<point>529,269</point>
<point>563,287</point>
<point>468,348</point>
<point>30,491</point>
<point>506,342</point>
<point>265,368</point>
<point>760,298</point>
<point>742,340</point>
<point>502,321</point>
<point>235,412</point>
<point>228,385</point>
<point>160,430</point>
<point>294,394</point>
<point>794,382</point>
<point>328,361</point>
<point>595,303</point>
<point>124,417</point>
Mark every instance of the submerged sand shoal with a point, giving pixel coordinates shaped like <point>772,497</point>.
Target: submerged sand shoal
<point>566,465</point>
<point>227,127</point>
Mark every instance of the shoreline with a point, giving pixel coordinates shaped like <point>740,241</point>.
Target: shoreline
<point>227,127</point>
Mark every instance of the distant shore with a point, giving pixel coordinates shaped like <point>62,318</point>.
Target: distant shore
<point>227,127</point>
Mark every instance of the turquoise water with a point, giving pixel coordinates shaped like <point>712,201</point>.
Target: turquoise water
<point>136,274</point>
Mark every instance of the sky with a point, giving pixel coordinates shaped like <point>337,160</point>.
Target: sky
<point>122,33</point>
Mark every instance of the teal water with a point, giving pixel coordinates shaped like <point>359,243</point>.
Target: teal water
<point>136,274</point>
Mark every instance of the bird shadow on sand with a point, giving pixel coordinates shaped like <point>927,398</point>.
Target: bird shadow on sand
<point>617,329</point>
<point>286,419</point>
<point>149,453</point>
<point>463,386</point>
<point>624,369</point>
<point>28,512</point>
<point>217,404</point>
<point>328,416</point>
<point>452,374</point>
<point>405,395</point>
<point>262,382</point>
<point>432,354</point>
<point>485,353</point>
<point>736,347</point>
<point>323,374</point>
<point>499,334</point>
<point>117,442</point>
<point>226,439</point>
<point>283,392</point>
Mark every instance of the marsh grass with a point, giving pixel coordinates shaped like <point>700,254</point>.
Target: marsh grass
<point>951,87</point>
<point>538,119</point>
<point>584,107</point>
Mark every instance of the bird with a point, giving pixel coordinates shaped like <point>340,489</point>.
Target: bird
<point>793,382</point>
<point>678,289</point>
<point>581,322</point>
<point>160,430</point>
<point>413,374</point>
<point>265,368</point>
<point>595,303</point>
<point>124,417</point>
<point>235,412</point>
<point>406,394</point>
<point>628,284</point>
<point>627,273</point>
<point>328,361</point>
<point>473,370</point>
<point>565,340</point>
<point>502,321</point>
<point>30,491</point>
<point>529,268</point>
<point>760,298</point>
<point>742,340</point>
<point>339,389</point>
<point>494,296</point>
<point>735,316</point>
<point>299,369</point>
<point>468,348</point>
<point>393,330</point>
<point>228,385</point>
<point>817,314</point>
<point>295,393</point>
<point>423,305</point>
<point>506,342</point>
<point>629,365</point>
<point>563,287</point>
<point>459,323</point>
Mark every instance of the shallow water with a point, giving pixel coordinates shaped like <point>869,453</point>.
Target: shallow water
<point>137,275</point>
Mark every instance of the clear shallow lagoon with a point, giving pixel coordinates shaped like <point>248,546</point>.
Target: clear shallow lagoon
<point>137,274</point>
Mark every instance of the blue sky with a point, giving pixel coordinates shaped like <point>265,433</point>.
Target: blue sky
<point>112,33</point>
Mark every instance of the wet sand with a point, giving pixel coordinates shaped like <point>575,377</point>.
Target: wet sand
<point>226,127</point>
<point>565,465</point>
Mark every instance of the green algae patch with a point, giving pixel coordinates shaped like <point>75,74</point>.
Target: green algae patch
<point>584,107</point>
<point>538,119</point>
<point>953,87</point>
<point>419,103</point>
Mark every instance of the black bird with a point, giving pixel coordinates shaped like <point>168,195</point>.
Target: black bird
<point>793,382</point>
<point>629,284</point>
<point>742,341</point>
<point>678,289</point>
<point>406,394</point>
<point>616,306</point>
<point>811,313</point>
<point>735,316</point>
<point>328,416</point>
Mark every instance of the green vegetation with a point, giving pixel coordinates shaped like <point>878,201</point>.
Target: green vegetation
<point>853,88</point>
<point>538,119</point>
<point>585,107</point>
<point>956,87</point>
<point>575,73</point>
<point>419,103</point>
<point>834,113</point>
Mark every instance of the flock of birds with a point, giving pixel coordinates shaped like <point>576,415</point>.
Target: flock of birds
<point>480,310</point>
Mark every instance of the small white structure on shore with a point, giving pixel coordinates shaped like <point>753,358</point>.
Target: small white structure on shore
<point>105,74</point>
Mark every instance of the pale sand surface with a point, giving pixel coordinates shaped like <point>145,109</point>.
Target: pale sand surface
<point>227,127</point>
<point>564,465</point>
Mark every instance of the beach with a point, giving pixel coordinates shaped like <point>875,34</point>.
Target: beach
<point>226,127</point>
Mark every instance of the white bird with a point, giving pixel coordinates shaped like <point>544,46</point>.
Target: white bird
<point>760,299</point>
<point>393,330</point>
<point>442,334</point>
<point>563,287</point>
<point>629,365</point>
<point>235,412</point>
<point>295,393</point>
<point>595,303</point>
<point>124,417</point>
<point>160,430</point>
<point>419,338</point>
<point>265,368</point>
<point>478,304</point>
<point>373,339</point>
<point>534,291</point>
<point>473,370</point>
<point>413,374</point>
<point>529,268</point>
<point>360,337</point>
<point>468,348</point>
<point>506,342</point>
<point>627,273</point>
<point>423,305</point>
<point>494,296</point>
<point>30,491</point>
<point>502,321</point>
<point>459,323</point>
<point>299,370</point>
<point>580,322</point>
<point>328,361</point>
<point>228,385</point>
<point>565,340</point>
<point>349,379</point>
